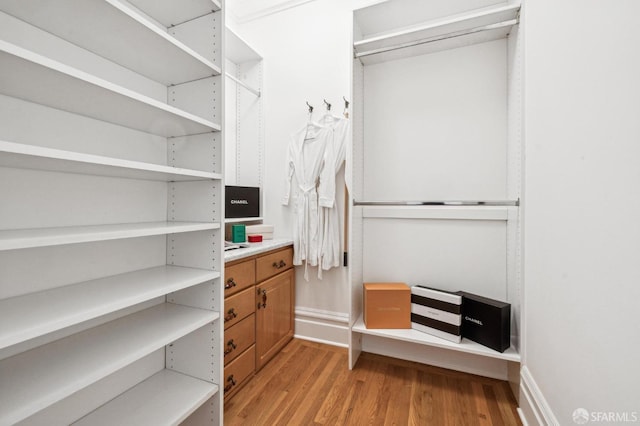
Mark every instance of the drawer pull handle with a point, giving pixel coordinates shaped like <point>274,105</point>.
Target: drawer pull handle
<point>262,292</point>
<point>231,383</point>
<point>230,284</point>
<point>230,315</point>
<point>230,347</point>
<point>279,265</point>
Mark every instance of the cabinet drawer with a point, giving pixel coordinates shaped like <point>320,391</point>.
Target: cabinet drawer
<point>239,276</point>
<point>238,371</point>
<point>274,263</point>
<point>239,337</point>
<point>238,307</point>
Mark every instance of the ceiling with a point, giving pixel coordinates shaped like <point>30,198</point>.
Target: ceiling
<point>248,10</point>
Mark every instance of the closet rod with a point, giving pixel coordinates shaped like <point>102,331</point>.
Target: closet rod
<point>507,203</point>
<point>433,39</point>
<point>243,84</point>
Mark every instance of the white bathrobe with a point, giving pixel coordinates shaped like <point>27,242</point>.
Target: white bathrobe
<point>315,185</point>
<point>329,216</point>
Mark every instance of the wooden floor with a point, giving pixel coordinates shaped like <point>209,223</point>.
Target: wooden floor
<point>310,384</point>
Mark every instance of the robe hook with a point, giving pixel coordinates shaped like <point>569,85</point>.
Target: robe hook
<point>327,104</point>
<point>346,102</point>
<point>310,107</point>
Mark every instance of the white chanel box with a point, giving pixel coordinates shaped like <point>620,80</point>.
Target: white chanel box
<point>436,312</point>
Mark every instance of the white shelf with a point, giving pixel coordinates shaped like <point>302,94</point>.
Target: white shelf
<point>437,212</point>
<point>35,78</point>
<point>169,12</point>
<point>47,374</point>
<point>414,336</point>
<point>481,25</point>
<point>43,237</point>
<point>216,4</point>
<point>243,219</point>
<point>237,50</point>
<point>33,315</point>
<point>150,50</point>
<point>34,157</point>
<point>166,398</point>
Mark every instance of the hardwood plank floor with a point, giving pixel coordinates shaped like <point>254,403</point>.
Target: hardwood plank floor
<point>310,384</point>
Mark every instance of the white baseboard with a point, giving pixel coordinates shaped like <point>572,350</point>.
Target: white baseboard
<point>325,342</point>
<point>322,326</point>
<point>534,409</point>
<point>523,419</point>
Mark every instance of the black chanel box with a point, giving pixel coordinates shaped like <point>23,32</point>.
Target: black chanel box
<point>486,321</point>
<point>242,201</point>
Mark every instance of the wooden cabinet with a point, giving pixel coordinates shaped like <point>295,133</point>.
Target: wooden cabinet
<point>274,316</point>
<point>258,314</point>
<point>237,307</point>
<point>239,338</point>
<point>237,372</point>
<point>273,263</point>
<point>239,276</point>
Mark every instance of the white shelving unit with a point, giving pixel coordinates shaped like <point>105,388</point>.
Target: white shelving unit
<point>56,160</point>
<point>476,26</point>
<point>111,239</point>
<point>54,371</point>
<point>410,335</point>
<point>437,212</point>
<point>118,105</point>
<point>171,13</point>
<point>28,238</point>
<point>244,219</point>
<point>167,59</point>
<point>244,141</point>
<point>165,398</point>
<point>452,74</point>
<point>33,315</point>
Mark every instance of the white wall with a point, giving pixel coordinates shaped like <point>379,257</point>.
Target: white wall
<point>413,131</point>
<point>582,241</point>
<point>582,206</point>
<point>307,57</point>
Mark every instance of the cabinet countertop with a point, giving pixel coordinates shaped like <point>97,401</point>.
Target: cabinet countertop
<point>256,248</point>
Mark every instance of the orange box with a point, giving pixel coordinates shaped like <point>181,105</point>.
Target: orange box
<point>387,305</point>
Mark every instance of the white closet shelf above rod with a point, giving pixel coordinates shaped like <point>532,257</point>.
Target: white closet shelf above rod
<point>477,26</point>
<point>502,203</point>
<point>245,85</point>
<point>468,32</point>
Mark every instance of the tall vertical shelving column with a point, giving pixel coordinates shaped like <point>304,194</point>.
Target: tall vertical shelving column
<point>244,139</point>
<point>436,184</point>
<point>111,178</point>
